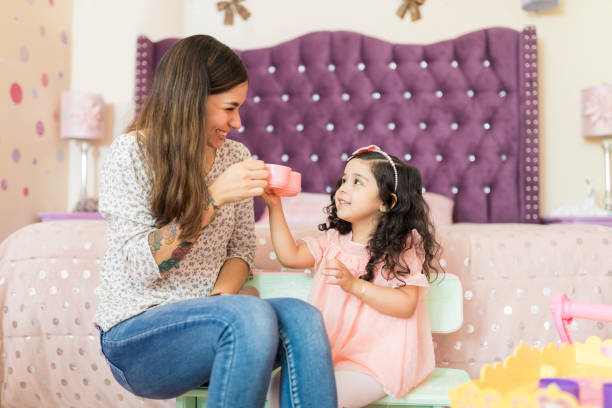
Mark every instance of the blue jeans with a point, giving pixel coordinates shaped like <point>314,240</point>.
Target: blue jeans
<point>232,342</point>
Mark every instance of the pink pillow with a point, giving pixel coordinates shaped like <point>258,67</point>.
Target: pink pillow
<point>440,208</point>
<point>307,209</point>
<point>303,210</point>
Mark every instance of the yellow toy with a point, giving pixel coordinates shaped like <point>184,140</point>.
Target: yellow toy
<point>515,382</point>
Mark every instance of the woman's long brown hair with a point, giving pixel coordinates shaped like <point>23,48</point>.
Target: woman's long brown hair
<point>172,123</point>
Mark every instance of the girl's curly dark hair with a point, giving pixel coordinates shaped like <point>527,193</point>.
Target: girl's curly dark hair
<point>393,233</point>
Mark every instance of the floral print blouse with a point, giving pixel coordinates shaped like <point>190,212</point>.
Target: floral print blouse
<point>130,280</point>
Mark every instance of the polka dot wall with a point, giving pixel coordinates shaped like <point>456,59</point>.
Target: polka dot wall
<point>35,48</point>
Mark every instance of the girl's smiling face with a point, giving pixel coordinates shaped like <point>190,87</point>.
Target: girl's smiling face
<point>221,113</point>
<point>357,199</point>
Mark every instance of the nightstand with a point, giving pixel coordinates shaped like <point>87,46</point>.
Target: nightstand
<point>77,215</point>
<point>599,220</point>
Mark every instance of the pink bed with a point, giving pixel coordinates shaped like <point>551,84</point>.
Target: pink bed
<point>508,263</point>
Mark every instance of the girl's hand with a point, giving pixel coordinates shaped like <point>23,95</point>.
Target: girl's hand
<point>241,180</point>
<point>269,198</point>
<point>340,275</point>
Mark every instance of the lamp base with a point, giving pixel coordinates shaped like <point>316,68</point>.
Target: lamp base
<point>86,205</point>
<point>606,145</point>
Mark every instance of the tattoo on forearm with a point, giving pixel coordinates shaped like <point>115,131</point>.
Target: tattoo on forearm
<point>167,235</point>
<point>179,253</point>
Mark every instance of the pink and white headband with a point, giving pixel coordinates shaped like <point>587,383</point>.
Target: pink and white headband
<point>374,148</point>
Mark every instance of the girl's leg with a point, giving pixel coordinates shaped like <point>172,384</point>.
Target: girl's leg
<point>307,373</point>
<point>274,391</point>
<point>230,341</point>
<point>357,389</point>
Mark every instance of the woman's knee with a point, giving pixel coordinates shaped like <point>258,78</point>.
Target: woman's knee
<point>257,319</point>
<point>292,311</point>
<point>301,323</point>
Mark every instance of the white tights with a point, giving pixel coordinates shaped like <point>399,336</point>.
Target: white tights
<point>355,389</point>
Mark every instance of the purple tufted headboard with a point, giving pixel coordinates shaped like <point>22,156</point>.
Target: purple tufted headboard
<point>463,111</point>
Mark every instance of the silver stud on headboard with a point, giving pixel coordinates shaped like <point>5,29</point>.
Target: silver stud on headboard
<point>422,125</point>
<point>486,63</point>
<point>454,190</point>
<point>361,66</point>
<point>391,126</point>
<point>301,68</point>
<point>270,128</point>
<point>346,97</point>
<point>256,99</point>
<point>454,64</point>
<point>329,127</point>
<point>285,97</point>
<point>392,65</point>
<point>423,64</point>
<point>407,156</point>
<point>241,129</point>
<point>344,156</point>
<point>271,69</point>
<point>299,127</point>
<point>439,94</point>
<point>407,95</point>
<point>284,157</point>
<point>314,157</point>
<point>316,97</point>
<point>328,189</point>
<point>454,126</point>
<point>331,67</point>
<point>470,93</point>
<point>360,126</point>
<point>376,95</point>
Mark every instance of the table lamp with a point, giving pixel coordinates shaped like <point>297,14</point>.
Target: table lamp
<point>597,123</point>
<point>82,118</point>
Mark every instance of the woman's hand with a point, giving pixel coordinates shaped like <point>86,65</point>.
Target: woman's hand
<point>340,275</point>
<point>241,180</point>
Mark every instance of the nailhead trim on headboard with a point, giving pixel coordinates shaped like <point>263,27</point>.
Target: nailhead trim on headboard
<point>529,148</point>
<point>144,70</point>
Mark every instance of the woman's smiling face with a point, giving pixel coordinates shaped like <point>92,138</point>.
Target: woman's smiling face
<point>221,113</point>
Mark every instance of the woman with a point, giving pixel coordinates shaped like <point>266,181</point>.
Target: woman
<point>177,196</point>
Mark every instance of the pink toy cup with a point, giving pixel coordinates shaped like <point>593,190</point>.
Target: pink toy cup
<point>292,188</point>
<point>278,175</point>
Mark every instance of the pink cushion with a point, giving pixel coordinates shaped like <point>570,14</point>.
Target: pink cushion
<point>440,208</point>
<point>307,209</point>
<point>303,210</point>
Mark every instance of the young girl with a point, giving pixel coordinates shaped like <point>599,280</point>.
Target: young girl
<point>372,267</point>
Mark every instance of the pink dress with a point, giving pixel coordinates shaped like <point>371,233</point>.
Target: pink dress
<point>397,352</point>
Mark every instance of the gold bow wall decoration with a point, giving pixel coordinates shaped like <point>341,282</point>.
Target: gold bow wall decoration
<point>413,6</point>
<point>229,6</point>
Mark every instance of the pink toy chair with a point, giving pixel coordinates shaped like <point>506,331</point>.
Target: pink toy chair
<point>564,310</point>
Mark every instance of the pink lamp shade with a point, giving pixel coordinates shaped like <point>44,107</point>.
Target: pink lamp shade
<point>597,111</point>
<point>82,115</point>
